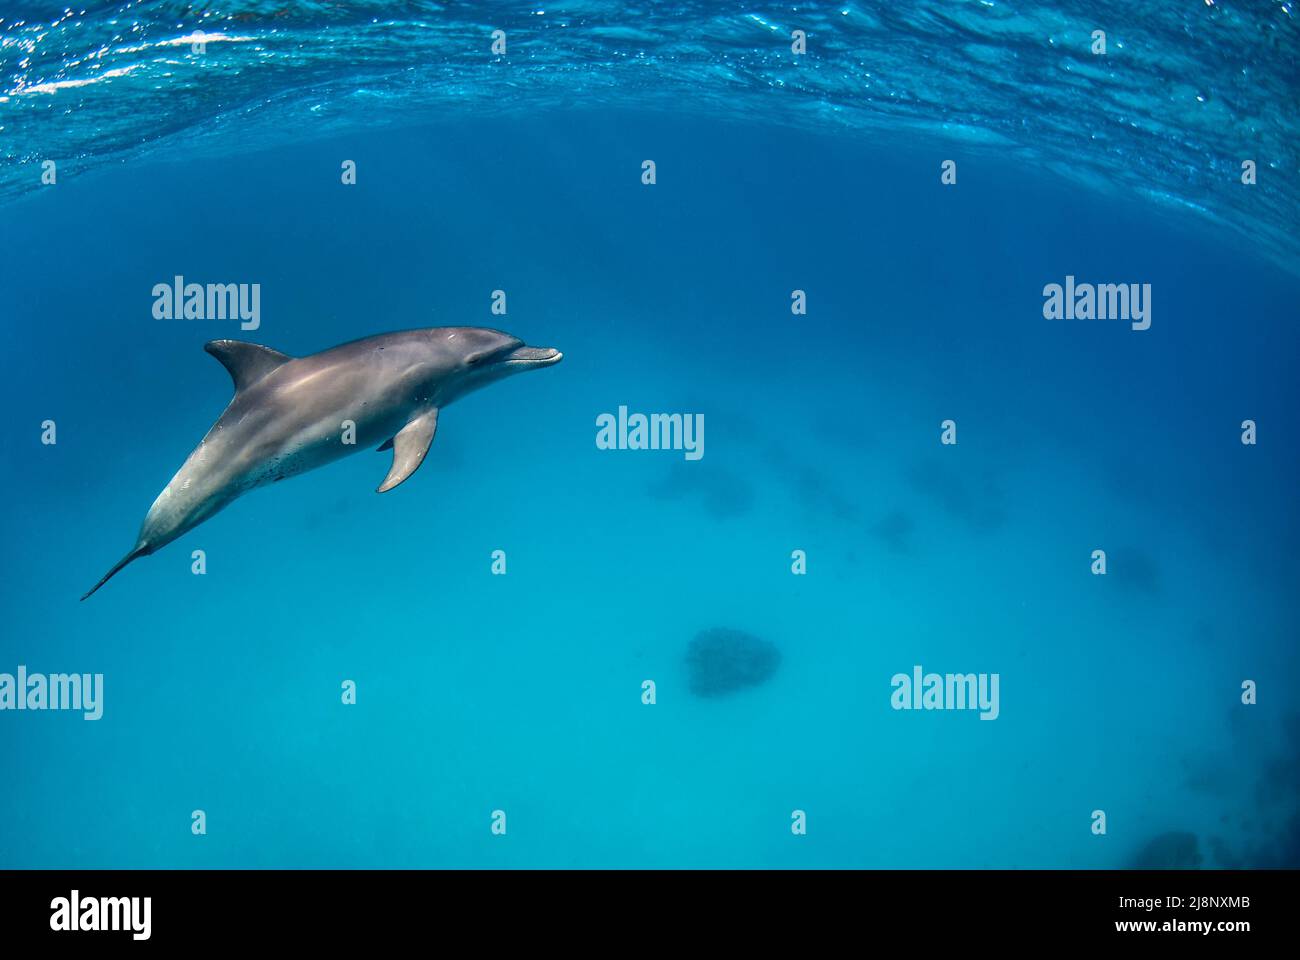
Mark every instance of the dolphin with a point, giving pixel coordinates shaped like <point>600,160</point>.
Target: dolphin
<point>289,415</point>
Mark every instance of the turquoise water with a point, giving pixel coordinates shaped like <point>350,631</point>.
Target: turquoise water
<point>523,693</point>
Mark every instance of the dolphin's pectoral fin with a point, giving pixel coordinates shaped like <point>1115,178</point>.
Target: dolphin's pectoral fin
<point>386,445</point>
<point>246,362</point>
<point>409,447</point>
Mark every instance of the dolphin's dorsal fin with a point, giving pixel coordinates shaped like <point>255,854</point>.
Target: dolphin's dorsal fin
<point>246,362</point>
<point>409,447</point>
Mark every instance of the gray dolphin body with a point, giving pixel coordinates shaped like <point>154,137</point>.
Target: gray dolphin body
<point>288,414</point>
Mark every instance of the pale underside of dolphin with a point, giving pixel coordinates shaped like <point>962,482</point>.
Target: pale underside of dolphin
<point>290,415</point>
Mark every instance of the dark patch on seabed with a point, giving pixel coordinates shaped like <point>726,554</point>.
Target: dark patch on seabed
<point>1136,570</point>
<point>1266,835</point>
<point>1175,850</point>
<point>895,529</point>
<point>975,501</point>
<point>1277,805</point>
<point>723,661</point>
<point>722,492</point>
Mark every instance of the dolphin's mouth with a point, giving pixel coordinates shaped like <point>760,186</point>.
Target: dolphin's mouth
<point>532,357</point>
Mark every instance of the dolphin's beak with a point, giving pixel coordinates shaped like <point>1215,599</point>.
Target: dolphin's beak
<point>532,357</point>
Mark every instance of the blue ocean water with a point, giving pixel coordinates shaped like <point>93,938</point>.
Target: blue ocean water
<point>523,693</point>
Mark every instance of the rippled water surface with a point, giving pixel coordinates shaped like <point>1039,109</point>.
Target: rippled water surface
<point>1186,91</point>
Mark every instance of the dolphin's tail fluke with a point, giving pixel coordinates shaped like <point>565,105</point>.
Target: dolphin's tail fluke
<point>138,551</point>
